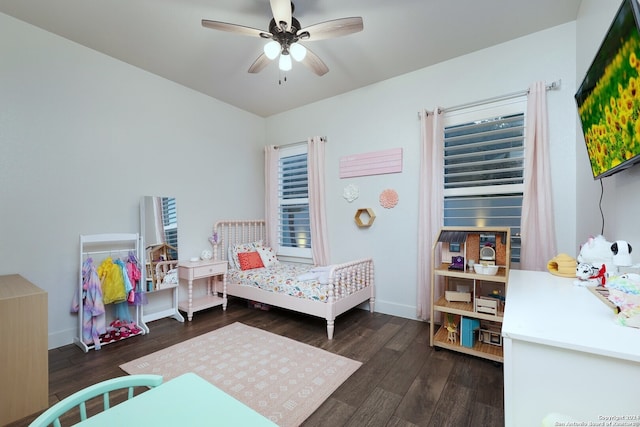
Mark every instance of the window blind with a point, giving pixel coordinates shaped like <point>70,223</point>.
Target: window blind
<point>485,153</point>
<point>484,171</point>
<point>294,229</point>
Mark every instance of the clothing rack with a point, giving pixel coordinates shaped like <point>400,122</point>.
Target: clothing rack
<point>108,252</point>
<point>107,245</point>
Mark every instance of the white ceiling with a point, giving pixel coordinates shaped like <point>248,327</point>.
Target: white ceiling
<point>165,37</point>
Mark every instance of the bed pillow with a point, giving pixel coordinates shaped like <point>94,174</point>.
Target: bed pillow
<point>268,256</point>
<point>249,260</point>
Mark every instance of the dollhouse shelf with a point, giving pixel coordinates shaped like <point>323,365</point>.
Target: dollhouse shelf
<point>466,242</point>
<point>479,349</point>
<point>465,309</point>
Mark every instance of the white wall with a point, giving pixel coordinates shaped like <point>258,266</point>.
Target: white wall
<point>620,203</point>
<point>84,136</point>
<point>385,115</point>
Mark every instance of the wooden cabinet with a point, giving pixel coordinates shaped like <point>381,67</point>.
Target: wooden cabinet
<point>205,269</point>
<point>468,305</point>
<point>24,370</point>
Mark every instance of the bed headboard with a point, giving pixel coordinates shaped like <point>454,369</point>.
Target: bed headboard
<point>233,232</point>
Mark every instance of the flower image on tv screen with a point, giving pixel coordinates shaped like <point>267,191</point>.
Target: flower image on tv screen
<point>608,99</point>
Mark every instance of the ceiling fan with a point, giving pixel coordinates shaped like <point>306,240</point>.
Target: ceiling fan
<point>285,34</point>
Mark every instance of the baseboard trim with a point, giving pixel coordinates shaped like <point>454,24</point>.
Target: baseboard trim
<point>61,338</point>
<point>394,309</point>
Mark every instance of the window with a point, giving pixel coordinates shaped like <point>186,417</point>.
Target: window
<point>484,167</point>
<point>170,224</point>
<point>294,227</point>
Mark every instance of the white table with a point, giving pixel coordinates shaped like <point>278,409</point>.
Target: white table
<point>187,400</point>
<point>564,353</point>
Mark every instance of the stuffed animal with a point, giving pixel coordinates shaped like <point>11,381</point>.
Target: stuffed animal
<point>590,275</point>
<point>597,251</point>
<point>621,251</point>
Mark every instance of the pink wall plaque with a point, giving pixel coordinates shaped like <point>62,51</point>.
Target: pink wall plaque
<point>374,163</point>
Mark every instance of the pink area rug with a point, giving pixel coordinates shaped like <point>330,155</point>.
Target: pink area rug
<point>283,379</point>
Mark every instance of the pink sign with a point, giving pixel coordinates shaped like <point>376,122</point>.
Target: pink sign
<point>374,163</point>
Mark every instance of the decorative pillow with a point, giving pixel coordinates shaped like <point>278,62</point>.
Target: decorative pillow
<point>249,260</point>
<point>243,247</point>
<point>268,256</point>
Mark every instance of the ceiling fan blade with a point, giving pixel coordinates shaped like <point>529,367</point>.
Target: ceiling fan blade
<point>259,64</point>
<point>314,62</point>
<point>329,29</point>
<point>233,28</point>
<point>281,10</point>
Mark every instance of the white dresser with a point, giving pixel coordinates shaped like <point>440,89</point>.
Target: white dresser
<point>563,353</point>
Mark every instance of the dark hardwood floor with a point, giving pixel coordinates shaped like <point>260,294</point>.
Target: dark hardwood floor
<point>402,382</point>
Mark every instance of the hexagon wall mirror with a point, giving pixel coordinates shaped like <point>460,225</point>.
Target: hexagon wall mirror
<point>364,217</point>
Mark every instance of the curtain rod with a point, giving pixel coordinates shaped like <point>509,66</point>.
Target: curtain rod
<point>293,144</point>
<point>551,86</point>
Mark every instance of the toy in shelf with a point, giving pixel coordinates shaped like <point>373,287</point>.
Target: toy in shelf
<point>469,326</point>
<point>490,333</point>
<point>452,329</point>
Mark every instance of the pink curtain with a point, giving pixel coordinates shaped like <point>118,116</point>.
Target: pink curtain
<point>537,227</point>
<point>271,161</point>
<point>317,211</point>
<point>430,203</point>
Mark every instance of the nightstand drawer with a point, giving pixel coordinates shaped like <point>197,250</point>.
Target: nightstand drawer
<point>209,270</point>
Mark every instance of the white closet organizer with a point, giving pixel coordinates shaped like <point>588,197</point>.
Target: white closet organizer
<point>99,247</point>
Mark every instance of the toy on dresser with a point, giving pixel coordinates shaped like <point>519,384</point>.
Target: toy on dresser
<point>598,259</point>
<point>600,263</point>
<point>624,292</point>
<point>590,275</point>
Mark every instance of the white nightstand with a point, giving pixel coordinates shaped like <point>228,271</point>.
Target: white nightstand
<point>205,269</point>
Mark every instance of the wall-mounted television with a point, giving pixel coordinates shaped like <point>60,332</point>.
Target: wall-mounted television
<point>608,99</point>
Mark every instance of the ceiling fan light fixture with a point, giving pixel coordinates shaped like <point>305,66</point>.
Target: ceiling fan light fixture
<point>298,51</point>
<point>285,31</point>
<point>285,62</point>
<point>272,49</point>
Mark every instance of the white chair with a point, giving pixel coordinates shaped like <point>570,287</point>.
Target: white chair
<point>79,398</point>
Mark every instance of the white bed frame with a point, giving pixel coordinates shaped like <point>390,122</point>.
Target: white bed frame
<point>351,283</point>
